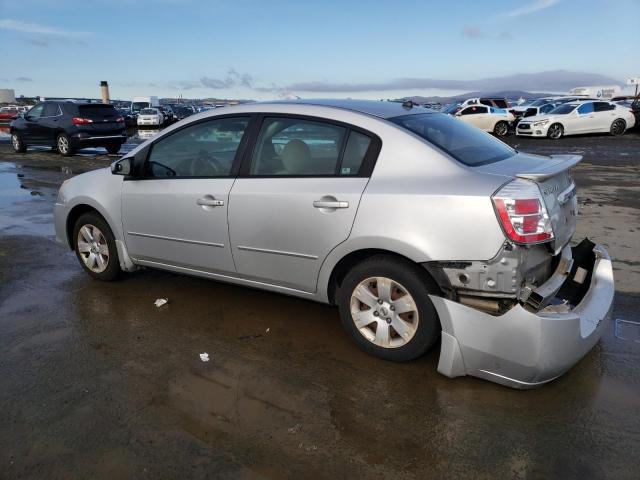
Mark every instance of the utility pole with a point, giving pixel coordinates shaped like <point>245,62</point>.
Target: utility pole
<point>104,87</point>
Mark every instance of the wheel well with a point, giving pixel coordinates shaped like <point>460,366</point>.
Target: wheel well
<point>347,262</point>
<point>73,216</point>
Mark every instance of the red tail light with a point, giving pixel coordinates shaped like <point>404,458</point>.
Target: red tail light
<point>81,121</point>
<point>120,119</point>
<point>522,212</point>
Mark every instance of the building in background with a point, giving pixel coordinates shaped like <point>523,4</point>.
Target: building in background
<point>7,95</point>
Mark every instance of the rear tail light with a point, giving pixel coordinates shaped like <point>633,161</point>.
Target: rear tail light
<point>120,119</point>
<point>81,121</point>
<point>522,212</point>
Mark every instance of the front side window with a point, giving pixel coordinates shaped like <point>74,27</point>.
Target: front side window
<point>585,108</point>
<point>563,109</point>
<point>546,108</point>
<point>206,149</point>
<point>35,112</point>
<point>296,147</point>
<point>51,110</point>
<point>467,144</point>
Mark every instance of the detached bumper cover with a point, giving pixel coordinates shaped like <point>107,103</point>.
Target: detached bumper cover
<point>523,349</point>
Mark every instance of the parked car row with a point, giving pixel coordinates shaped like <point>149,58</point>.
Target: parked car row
<point>12,112</point>
<point>552,117</point>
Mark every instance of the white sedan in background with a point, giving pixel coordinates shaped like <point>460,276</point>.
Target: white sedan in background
<point>489,119</point>
<point>150,116</point>
<point>579,118</point>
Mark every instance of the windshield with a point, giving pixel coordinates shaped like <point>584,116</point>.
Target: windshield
<point>451,108</point>
<point>465,143</point>
<point>563,109</point>
<point>148,111</point>
<point>539,102</point>
<point>137,106</point>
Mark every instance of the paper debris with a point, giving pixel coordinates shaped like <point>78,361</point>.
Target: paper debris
<point>204,357</point>
<point>161,301</point>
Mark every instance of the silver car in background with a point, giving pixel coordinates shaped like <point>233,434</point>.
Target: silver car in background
<point>417,226</point>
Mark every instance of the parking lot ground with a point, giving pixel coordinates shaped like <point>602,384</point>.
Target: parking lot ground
<point>97,382</point>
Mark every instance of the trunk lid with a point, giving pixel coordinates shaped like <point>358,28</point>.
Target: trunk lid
<point>553,176</point>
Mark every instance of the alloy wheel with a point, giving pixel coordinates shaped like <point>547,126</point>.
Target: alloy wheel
<point>93,248</point>
<point>555,131</point>
<point>501,129</point>
<point>384,312</point>
<point>15,142</point>
<point>618,127</point>
<point>63,144</point>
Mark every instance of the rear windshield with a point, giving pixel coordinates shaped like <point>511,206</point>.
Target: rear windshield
<point>97,111</point>
<point>148,111</point>
<point>465,143</point>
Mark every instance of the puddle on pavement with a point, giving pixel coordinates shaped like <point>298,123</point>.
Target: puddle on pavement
<point>24,209</point>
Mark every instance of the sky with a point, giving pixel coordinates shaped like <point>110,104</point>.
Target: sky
<point>264,49</point>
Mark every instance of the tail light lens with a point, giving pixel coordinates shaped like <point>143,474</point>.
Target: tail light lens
<point>81,121</point>
<point>120,119</point>
<point>522,212</point>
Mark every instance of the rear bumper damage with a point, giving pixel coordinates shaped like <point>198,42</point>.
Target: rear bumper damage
<point>535,341</point>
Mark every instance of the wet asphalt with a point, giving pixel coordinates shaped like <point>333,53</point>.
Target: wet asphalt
<point>97,382</point>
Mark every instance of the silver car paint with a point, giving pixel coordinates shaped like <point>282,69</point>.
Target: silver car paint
<point>418,203</point>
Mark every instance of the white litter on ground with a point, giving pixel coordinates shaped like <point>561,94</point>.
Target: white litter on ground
<point>204,357</point>
<point>267,330</point>
<point>160,302</point>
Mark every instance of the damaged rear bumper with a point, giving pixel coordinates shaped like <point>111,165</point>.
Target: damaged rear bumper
<point>523,348</point>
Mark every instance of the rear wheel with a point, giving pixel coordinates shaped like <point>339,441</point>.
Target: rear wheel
<point>64,145</point>
<point>501,129</point>
<point>618,127</point>
<point>555,131</point>
<point>17,144</point>
<point>95,247</point>
<point>385,308</point>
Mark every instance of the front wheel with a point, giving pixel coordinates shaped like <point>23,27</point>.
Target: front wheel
<point>17,144</point>
<point>555,131</point>
<point>385,308</point>
<point>64,145</point>
<point>501,129</point>
<point>618,127</point>
<point>95,247</point>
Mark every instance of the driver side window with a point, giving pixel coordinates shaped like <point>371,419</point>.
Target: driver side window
<point>35,112</point>
<point>206,149</point>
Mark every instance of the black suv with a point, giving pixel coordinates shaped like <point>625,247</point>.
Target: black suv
<point>68,126</point>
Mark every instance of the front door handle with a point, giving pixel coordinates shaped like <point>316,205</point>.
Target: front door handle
<point>330,204</point>
<point>210,202</point>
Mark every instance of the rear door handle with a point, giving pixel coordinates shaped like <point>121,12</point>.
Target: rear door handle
<point>210,202</point>
<point>330,204</point>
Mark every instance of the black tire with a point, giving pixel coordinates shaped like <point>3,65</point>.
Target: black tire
<point>17,143</point>
<point>618,127</point>
<point>555,132</point>
<point>501,129</point>
<point>112,149</point>
<point>93,219</point>
<point>63,145</point>
<point>416,282</point>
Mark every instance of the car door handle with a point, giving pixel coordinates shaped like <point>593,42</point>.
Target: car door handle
<point>210,202</point>
<point>330,204</point>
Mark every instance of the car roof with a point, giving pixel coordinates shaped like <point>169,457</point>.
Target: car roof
<point>381,109</point>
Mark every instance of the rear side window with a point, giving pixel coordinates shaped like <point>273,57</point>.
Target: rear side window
<point>474,110</point>
<point>354,153</point>
<point>206,149</point>
<point>467,144</point>
<point>296,147</point>
<point>603,106</point>
<point>97,111</point>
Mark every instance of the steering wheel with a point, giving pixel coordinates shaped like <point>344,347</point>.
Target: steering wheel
<point>204,160</point>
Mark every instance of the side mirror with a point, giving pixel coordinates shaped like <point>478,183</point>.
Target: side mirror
<point>122,167</point>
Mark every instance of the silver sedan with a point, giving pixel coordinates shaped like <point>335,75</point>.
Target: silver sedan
<point>418,227</point>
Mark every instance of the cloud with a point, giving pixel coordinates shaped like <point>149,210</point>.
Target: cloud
<point>531,7</point>
<point>27,27</point>
<point>24,79</point>
<point>232,79</point>
<point>473,32</point>
<point>552,81</point>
